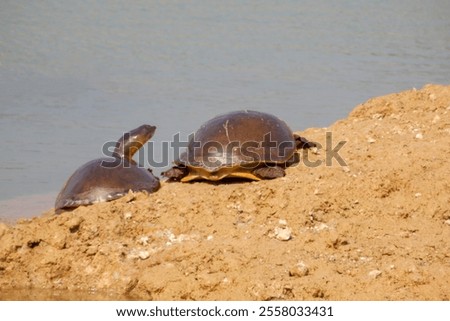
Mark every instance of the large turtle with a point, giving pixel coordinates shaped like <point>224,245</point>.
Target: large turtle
<point>106,179</point>
<point>242,144</point>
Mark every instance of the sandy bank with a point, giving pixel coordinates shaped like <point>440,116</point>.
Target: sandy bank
<point>375,229</point>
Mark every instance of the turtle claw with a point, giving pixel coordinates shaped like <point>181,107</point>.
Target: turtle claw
<point>176,173</point>
<point>303,143</point>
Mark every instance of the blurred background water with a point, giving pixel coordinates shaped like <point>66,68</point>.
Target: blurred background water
<point>74,75</point>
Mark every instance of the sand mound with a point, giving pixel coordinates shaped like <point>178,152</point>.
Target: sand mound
<point>374,228</point>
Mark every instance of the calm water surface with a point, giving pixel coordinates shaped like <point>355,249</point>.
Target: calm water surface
<point>74,75</point>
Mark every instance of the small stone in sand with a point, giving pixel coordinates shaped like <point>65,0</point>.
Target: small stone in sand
<point>374,274</point>
<point>143,240</point>
<point>92,250</point>
<point>419,136</point>
<point>143,255</point>
<point>283,233</point>
<point>300,269</point>
<point>321,227</point>
<point>314,150</point>
<point>127,215</point>
<point>74,224</point>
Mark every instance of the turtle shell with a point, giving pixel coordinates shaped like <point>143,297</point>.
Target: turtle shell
<point>240,139</point>
<point>104,179</point>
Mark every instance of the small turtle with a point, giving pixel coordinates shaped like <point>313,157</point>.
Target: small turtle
<point>106,179</point>
<point>243,144</point>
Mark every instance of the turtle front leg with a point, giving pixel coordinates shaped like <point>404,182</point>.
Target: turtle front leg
<point>176,173</point>
<point>269,172</point>
<point>303,143</point>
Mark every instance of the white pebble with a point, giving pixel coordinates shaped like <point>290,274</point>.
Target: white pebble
<point>418,194</point>
<point>283,234</point>
<point>374,274</point>
<point>371,140</point>
<point>143,240</point>
<point>377,116</point>
<point>447,222</point>
<point>419,136</point>
<point>300,269</point>
<point>321,227</point>
<point>314,150</point>
<point>127,215</point>
<point>209,237</point>
<point>143,255</point>
<point>282,222</point>
<point>436,119</point>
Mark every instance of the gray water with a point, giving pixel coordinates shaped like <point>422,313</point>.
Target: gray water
<point>76,74</point>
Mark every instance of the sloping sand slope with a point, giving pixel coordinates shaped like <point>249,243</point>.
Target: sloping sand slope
<point>376,229</point>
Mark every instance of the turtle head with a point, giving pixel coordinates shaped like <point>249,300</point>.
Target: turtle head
<point>133,140</point>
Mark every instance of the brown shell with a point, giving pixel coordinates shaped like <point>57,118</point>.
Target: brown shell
<point>239,139</point>
<point>106,179</point>
<point>94,182</point>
